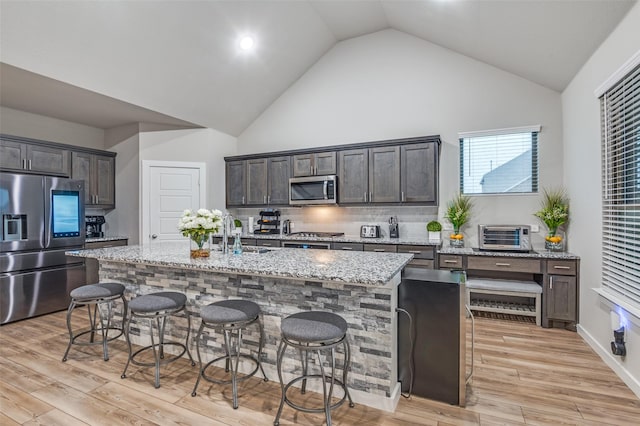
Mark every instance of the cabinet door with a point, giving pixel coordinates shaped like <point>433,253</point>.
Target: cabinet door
<point>384,175</point>
<point>104,178</point>
<point>419,176</point>
<point>12,155</point>
<point>81,168</point>
<point>236,183</point>
<point>303,165</point>
<point>279,173</point>
<point>353,182</point>
<point>257,181</point>
<point>52,161</point>
<point>561,298</point>
<point>325,163</point>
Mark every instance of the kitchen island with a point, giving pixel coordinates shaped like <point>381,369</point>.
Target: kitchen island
<point>359,286</point>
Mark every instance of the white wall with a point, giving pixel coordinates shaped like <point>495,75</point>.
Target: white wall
<point>391,85</point>
<point>123,220</point>
<point>25,124</point>
<point>194,145</point>
<point>582,164</point>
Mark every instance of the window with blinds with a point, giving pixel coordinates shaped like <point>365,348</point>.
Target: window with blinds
<point>620,119</point>
<point>499,161</point>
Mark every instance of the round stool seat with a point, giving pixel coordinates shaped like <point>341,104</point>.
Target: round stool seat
<point>310,327</point>
<point>160,301</point>
<point>97,291</point>
<point>230,311</point>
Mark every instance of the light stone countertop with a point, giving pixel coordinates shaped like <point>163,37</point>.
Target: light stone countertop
<point>323,265</point>
<point>536,254</point>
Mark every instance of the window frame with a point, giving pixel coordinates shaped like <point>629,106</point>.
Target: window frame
<point>535,166</point>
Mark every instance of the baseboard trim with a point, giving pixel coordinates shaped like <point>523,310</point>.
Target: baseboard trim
<point>611,361</point>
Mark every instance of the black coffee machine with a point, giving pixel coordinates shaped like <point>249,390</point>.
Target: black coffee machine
<point>94,226</point>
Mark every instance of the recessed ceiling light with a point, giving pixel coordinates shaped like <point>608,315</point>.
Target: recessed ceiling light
<point>246,43</point>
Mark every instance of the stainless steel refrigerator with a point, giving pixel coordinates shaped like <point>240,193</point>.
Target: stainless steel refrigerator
<point>41,218</point>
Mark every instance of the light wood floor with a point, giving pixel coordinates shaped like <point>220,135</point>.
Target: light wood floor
<point>523,375</point>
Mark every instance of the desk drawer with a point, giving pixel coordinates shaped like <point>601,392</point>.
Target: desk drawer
<point>419,252</point>
<point>449,261</point>
<point>512,264</point>
<point>561,267</point>
<point>382,248</point>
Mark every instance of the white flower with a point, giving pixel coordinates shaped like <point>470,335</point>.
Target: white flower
<point>194,224</point>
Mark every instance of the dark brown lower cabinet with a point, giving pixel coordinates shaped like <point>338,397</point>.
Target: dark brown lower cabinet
<point>560,298</point>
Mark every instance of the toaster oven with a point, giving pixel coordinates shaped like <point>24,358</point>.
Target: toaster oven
<point>504,237</point>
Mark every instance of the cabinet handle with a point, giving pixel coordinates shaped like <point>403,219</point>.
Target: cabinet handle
<point>402,196</point>
<point>315,170</point>
<point>365,197</point>
<point>266,244</point>
<point>370,197</point>
<point>347,248</point>
<point>24,164</point>
<point>561,267</point>
<point>450,261</point>
<point>243,199</point>
<point>502,264</point>
<point>414,251</point>
<point>29,164</point>
<point>378,250</point>
<point>550,283</point>
<point>268,199</point>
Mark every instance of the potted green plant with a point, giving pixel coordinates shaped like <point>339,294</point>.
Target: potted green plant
<point>434,227</point>
<point>554,213</point>
<point>237,224</point>
<point>458,213</point>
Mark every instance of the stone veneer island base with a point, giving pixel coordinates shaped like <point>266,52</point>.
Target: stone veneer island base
<point>359,286</point>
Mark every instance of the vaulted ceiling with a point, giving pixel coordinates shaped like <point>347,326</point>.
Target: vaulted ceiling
<point>107,63</point>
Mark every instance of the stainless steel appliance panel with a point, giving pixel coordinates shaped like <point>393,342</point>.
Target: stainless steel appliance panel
<point>38,292</point>
<point>504,237</point>
<point>23,261</point>
<point>22,195</point>
<point>313,190</point>
<point>76,187</point>
<point>306,245</point>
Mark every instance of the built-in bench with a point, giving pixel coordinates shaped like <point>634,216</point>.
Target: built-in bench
<point>520,289</point>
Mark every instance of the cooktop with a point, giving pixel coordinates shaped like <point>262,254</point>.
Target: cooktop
<point>317,234</point>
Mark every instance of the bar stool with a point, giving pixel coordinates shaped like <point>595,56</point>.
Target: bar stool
<point>230,317</point>
<point>315,332</point>
<point>157,306</point>
<point>96,295</point>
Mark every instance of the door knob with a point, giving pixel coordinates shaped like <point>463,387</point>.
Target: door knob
<point>154,236</point>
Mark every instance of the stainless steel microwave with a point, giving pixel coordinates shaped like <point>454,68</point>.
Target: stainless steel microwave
<point>313,190</point>
<point>504,237</point>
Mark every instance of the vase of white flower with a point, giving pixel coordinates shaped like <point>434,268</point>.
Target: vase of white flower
<point>198,227</point>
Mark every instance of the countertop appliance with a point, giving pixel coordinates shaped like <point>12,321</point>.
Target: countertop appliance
<point>504,237</point>
<point>370,231</point>
<point>313,190</point>
<point>393,227</point>
<point>432,334</point>
<point>42,217</point>
<point>94,226</point>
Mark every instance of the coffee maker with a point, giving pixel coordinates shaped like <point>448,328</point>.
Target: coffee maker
<point>94,226</point>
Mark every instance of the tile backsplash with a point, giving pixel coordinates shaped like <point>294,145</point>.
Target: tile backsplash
<point>412,220</point>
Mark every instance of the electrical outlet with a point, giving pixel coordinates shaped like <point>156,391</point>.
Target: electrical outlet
<point>535,228</point>
<point>447,227</point>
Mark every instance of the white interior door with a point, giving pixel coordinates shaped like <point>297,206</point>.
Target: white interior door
<point>171,189</point>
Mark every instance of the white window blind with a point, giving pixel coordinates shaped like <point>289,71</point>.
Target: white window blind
<point>620,119</point>
<point>499,161</point>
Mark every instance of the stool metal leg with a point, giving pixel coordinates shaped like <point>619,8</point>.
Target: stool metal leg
<point>345,371</point>
<point>281,349</point>
<point>157,353</point>
<point>327,403</point>
<point>127,338</point>
<point>186,343</point>
<point>260,346</point>
<point>201,370</point>
<point>72,306</point>
<point>304,356</point>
